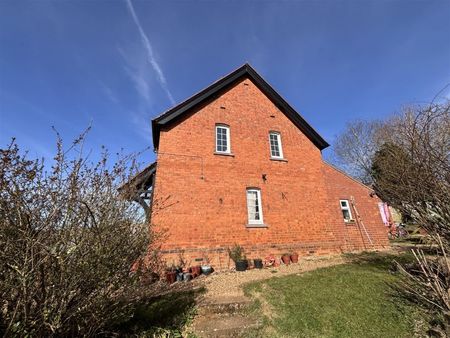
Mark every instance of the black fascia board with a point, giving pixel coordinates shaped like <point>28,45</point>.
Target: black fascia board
<point>172,114</point>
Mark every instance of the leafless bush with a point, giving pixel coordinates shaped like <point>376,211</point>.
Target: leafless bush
<point>427,283</point>
<point>408,160</point>
<point>354,148</point>
<point>411,170</point>
<point>67,243</point>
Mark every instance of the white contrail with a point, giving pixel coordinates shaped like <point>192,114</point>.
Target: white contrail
<point>150,56</point>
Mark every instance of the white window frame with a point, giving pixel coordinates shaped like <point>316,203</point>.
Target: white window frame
<point>280,147</point>
<point>348,208</point>
<point>259,221</point>
<point>227,128</point>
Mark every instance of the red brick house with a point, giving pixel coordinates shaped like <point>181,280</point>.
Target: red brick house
<point>237,164</point>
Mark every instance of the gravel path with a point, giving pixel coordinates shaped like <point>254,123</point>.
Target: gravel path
<point>229,284</point>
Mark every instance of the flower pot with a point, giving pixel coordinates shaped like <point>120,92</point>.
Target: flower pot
<point>171,277</point>
<point>286,259</point>
<point>258,263</point>
<point>198,270</point>
<point>241,265</point>
<point>179,276</point>
<point>206,269</point>
<point>195,270</point>
<point>294,258</point>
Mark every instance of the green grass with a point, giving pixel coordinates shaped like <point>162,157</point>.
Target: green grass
<point>352,300</point>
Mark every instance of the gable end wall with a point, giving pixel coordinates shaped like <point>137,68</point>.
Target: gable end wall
<point>200,197</point>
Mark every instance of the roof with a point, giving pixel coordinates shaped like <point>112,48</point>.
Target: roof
<point>141,179</point>
<point>175,113</point>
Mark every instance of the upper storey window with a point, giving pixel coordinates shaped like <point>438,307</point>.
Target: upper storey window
<point>222,139</point>
<point>276,150</point>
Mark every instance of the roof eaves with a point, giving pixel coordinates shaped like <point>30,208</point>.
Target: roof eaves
<point>190,102</point>
<point>299,121</point>
<point>197,98</point>
<point>148,170</point>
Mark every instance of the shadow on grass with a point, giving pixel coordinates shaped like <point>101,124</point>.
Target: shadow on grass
<point>380,260</point>
<point>166,314</point>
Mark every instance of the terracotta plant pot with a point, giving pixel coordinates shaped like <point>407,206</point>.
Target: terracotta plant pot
<point>286,259</point>
<point>258,263</point>
<point>171,277</point>
<point>196,271</point>
<point>241,265</point>
<point>294,258</point>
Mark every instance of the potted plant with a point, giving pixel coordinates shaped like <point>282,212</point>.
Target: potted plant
<point>182,266</point>
<point>294,257</point>
<point>286,258</point>
<point>171,275</point>
<point>206,267</point>
<point>187,276</point>
<point>179,274</point>
<point>236,253</point>
<point>195,270</point>
<point>258,263</point>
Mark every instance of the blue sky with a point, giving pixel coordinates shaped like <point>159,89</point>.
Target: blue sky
<point>117,64</point>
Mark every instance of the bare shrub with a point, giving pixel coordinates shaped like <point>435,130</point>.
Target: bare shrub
<point>411,171</point>
<point>354,148</point>
<point>409,167</point>
<point>67,243</point>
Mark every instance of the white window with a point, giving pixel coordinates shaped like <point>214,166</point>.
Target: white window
<point>222,139</point>
<point>254,208</point>
<point>276,151</point>
<point>346,212</point>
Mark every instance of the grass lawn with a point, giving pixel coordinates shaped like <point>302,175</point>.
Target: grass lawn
<point>352,300</point>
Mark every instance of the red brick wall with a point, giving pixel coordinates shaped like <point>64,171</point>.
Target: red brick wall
<point>200,197</point>
<point>368,231</point>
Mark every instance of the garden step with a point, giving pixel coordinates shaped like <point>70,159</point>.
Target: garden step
<point>225,305</point>
<point>218,326</point>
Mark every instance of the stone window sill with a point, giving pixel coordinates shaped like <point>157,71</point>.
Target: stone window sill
<point>256,225</point>
<point>224,154</point>
<point>278,159</point>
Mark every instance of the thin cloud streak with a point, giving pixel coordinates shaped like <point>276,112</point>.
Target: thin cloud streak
<point>150,56</point>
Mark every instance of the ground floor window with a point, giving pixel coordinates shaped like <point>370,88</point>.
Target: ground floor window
<point>254,206</point>
<point>346,212</point>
